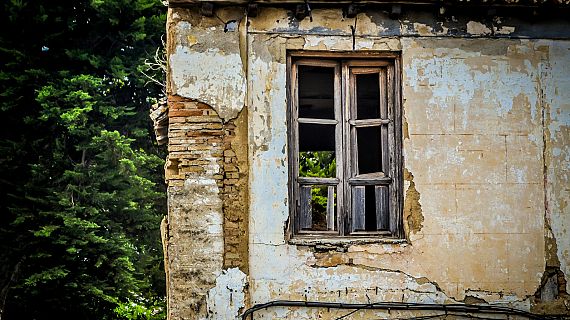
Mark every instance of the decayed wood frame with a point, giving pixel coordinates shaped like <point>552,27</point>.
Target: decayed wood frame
<point>330,208</point>
<point>350,186</point>
<point>306,212</point>
<point>358,209</point>
<point>382,207</point>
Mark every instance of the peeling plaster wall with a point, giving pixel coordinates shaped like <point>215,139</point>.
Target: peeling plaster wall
<point>219,78</point>
<point>485,155</point>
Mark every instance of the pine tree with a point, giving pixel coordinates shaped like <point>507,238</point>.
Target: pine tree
<point>80,173</point>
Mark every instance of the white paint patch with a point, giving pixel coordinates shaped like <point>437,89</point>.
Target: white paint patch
<point>227,298</point>
<point>477,28</point>
<point>212,77</point>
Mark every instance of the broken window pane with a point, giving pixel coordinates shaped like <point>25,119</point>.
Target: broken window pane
<point>316,92</point>
<point>317,151</point>
<point>370,205</point>
<point>382,196</point>
<point>369,150</point>
<point>318,208</point>
<point>367,96</point>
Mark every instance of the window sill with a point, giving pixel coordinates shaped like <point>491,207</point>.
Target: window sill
<point>344,241</point>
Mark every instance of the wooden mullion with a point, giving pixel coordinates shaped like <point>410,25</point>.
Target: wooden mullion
<point>294,146</point>
<point>330,208</point>
<point>339,151</point>
<point>343,217</point>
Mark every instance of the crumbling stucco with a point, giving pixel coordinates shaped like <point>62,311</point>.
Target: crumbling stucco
<point>412,206</point>
<point>205,62</point>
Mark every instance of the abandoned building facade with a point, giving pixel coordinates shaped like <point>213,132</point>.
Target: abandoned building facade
<point>380,154</point>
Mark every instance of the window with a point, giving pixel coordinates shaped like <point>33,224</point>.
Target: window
<point>345,146</point>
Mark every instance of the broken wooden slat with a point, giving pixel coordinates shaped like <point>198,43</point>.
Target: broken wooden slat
<point>358,208</point>
<point>369,181</point>
<point>305,214</point>
<point>368,122</point>
<point>382,207</point>
<point>317,180</point>
<point>330,209</point>
<point>317,121</point>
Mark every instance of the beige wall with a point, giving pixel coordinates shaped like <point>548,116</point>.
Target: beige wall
<point>485,155</point>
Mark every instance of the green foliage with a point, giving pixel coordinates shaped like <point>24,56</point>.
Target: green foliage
<point>321,164</point>
<point>141,310</point>
<point>80,172</point>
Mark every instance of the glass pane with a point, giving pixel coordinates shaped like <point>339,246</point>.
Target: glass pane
<point>369,150</point>
<point>317,151</point>
<point>368,96</point>
<point>316,92</point>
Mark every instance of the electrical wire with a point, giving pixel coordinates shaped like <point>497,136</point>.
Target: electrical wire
<point>463,309</point>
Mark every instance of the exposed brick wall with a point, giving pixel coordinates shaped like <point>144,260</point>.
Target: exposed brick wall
<point>206,174</point>
<point>234,194</point>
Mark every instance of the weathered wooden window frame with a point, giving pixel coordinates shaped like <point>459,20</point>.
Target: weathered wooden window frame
<point>345,65</point>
